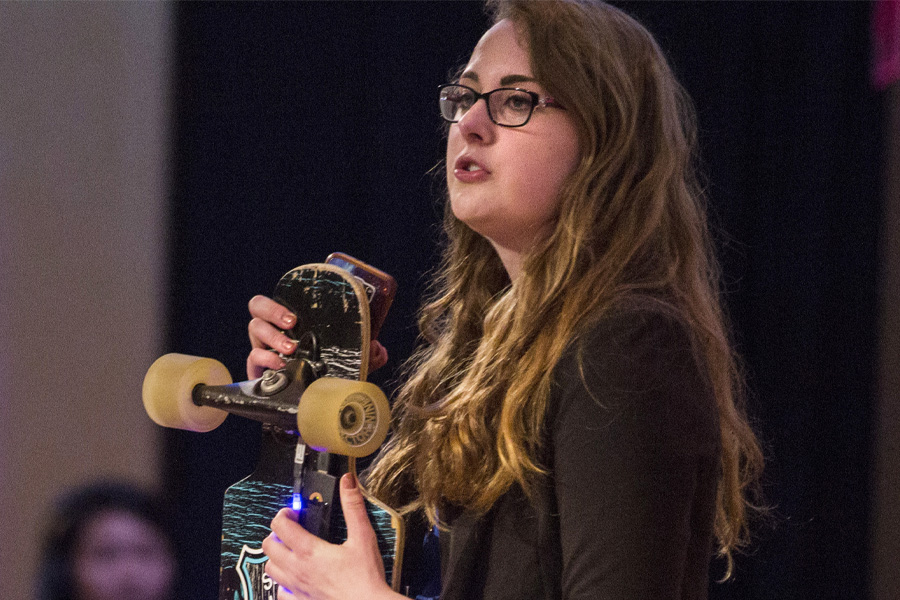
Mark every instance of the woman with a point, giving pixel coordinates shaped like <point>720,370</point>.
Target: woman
<point>107,541</point>
<point>572,425</point>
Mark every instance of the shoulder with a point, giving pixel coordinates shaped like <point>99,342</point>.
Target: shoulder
<point>636,372</point>
<point>628,344</point>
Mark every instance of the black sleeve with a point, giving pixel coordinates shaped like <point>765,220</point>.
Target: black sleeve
<point>634,454</point>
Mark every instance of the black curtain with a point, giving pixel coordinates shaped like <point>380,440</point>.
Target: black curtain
<point>306,128</point>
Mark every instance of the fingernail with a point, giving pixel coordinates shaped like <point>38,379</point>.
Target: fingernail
<point>288,346</point>
<point>288,320</point>
<point>348,481</point>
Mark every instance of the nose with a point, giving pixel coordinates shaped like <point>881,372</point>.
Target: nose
<point>476,124</point>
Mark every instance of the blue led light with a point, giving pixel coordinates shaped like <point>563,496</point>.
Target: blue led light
<point>297,503</point>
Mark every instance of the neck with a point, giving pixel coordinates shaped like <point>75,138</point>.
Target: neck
<point>511,259</point>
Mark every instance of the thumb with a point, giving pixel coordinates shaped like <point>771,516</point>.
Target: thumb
<point>354,506</point>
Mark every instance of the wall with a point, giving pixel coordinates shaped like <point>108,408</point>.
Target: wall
<point>83,184</point>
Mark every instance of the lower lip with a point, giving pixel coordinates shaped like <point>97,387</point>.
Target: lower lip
<point>470,176</point>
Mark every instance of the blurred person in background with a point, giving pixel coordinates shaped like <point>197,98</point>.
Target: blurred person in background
<point>107,541</point>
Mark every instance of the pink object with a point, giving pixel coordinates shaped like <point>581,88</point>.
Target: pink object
<point>886,43</point>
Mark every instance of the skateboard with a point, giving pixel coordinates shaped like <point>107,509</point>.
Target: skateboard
<point>318,414</point>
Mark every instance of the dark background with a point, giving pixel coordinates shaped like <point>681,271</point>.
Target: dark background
<point>302,129</point>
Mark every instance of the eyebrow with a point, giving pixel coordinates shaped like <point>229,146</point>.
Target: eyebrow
<point>504,81</point>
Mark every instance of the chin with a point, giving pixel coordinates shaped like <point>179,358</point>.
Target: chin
<point>462,210</point>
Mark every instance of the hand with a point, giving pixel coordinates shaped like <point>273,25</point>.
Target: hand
<point>308,567</point>
<point>268,320</point>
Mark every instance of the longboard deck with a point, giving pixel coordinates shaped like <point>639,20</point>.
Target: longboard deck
<point>331,304</point>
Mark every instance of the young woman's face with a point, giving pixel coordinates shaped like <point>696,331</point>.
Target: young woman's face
<point>504,182</point>
<point>120,555</point>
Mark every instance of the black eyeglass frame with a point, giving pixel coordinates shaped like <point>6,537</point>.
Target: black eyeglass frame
<point>536,101</point>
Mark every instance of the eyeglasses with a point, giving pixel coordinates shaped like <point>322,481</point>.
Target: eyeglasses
<point>507,107</point>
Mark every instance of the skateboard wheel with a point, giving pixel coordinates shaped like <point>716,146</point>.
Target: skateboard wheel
<point>168,388</point>
<point>342,416</point>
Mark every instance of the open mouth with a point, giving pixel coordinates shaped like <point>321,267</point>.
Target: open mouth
<point>469,165</point>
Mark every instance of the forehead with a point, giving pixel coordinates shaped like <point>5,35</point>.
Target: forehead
<point>500,52</point>
<point>112,524</point>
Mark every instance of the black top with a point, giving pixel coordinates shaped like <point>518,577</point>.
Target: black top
<point>628,509</point>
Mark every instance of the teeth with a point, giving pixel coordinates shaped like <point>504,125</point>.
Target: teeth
<point>473,167</point>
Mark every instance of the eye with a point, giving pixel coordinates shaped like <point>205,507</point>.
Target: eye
<point>460,96</point>
<point>518,102</point>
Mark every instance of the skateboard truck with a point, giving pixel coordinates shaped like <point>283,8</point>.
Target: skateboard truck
<point>272,382</point>
<point>275,380</point>
<point>343,416</point>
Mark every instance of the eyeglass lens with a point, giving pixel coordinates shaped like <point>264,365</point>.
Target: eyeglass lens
<point>505,106</point>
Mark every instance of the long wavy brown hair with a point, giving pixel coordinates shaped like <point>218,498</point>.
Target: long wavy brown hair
<point>631,223</point>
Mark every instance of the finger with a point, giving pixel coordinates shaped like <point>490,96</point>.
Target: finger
<point>292,535</point>
<point>283,577</point>
<point>275,543</point>
<point>289,548</point>
<point>278,564</point>
<point>264,335</point>
<point>267,309</point>
<point>279,556</point>
<point>286,594</point>
<point>378,356</point>
<point>259,360</point>
<point>354,507</point>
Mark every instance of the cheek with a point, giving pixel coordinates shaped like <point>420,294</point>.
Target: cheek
<point>541,176</point>
<point>454,146</point>
<point>156,577</point>
<point>93,579</point>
